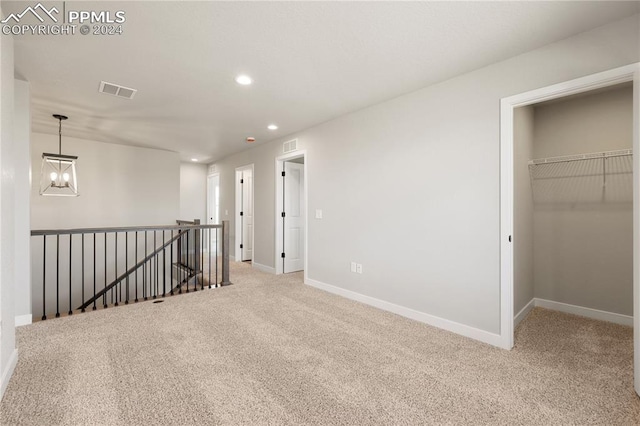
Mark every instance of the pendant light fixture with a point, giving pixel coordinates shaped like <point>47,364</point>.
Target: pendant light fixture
<point>58,172</point>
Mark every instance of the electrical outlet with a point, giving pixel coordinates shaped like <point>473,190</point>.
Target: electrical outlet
<point>226,212</point>
<point>359,268</point>
<point>353,266</point>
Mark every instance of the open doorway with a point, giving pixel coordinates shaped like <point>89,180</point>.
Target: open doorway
<point>291,213</point>
<point>570,213</point>
<point>244,214</point>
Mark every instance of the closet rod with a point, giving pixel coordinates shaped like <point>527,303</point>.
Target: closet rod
<point>579,157</point>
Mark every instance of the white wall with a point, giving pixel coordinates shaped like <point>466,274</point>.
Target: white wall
<point>193,191</point>
<point>410,187</point>
<point>119,185</point>
<point>22,156</point>
<point>523,284</point>
<point>8,351</point>
<point>583,251</point>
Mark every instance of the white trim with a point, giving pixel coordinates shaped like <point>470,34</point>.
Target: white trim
<point>8,372</point>
<point>278,203</point>
<point>506,224</point>
<point>23,320</point>
<point>211,201</point>
<point>264,268</point>
<point>445,324</point>
<point>238,224</point>
<point>209,177</point>
<point>636,229</point>
<point>572,309</point>
<point>585,312</point>
<point>507,105</point>
<point>524,312</point>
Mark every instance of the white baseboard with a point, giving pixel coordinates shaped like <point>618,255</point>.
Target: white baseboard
<point>264,268</point>
<point>23,320</point>
<point>8,372</point>
<point>585,312</point>
<point>524,312</point>
<point>445,324</point>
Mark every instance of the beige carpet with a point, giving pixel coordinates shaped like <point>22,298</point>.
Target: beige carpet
<point>270,350</point>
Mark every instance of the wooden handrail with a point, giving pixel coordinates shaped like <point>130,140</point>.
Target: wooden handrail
<point>121,229</point>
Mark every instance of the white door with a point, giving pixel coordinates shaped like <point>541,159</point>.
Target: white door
<point>246,214</point>
<point>213,211</point>
<point>293,217</point>
<point>213,199</point>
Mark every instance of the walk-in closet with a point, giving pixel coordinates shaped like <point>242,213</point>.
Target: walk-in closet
<point>573,224</point>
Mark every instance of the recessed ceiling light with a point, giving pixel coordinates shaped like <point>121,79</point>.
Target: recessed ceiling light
<point>194,159</point>
<point>272,127</point>
<point>251,139</point>
<point>244,80</point>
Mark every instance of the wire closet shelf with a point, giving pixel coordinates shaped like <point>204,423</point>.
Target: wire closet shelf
<point>601,177</point>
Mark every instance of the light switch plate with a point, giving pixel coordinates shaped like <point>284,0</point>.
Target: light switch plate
<point>318,214</point>
<point>353,266</point>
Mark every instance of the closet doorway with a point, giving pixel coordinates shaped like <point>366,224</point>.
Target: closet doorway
<point>570,213</point>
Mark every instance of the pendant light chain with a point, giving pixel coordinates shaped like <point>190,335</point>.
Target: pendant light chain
<point>59,135</point>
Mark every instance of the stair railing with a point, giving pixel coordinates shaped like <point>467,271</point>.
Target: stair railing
<point>74,269</point>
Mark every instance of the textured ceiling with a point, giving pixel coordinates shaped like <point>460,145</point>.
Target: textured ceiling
<point>310,61</point>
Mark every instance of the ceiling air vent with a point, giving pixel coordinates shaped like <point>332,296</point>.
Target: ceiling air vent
<point>289,146</point>
<point>117,90</point>
<point>213,169</point>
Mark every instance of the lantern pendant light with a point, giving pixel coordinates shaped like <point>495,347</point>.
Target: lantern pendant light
<point>58,172</point>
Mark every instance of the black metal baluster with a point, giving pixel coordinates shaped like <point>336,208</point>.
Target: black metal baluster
<point>104,296</point>
<point>58,276</point>
<point>44,277</point>
<point>217,236</point>
<point>94,271</point>
<point>209,237</point>
<point>115,250</point>
<point>155,247</point>
<point>164,265</point>
<point>188,259</point>
<point>137,270</point>
<point>195,260</point>
<point>200,258</point>
<point>179,262</point>
<point>126,264</point>
<point>144,268</point>
<point>70,304</point>
<point>171,262</point>
<point>83,299</point>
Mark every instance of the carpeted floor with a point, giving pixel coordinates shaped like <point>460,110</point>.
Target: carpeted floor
<point>270,350</point>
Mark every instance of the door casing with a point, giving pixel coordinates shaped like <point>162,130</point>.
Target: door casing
<point>278,209</point>
<point>507,105</point>
<point>238,223</point>
<point>289,264</point>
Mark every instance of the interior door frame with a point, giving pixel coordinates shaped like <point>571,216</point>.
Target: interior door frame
<point>507,105</point>
<point>211,200</point>
<point>278,209</point>
<point>238,223</point>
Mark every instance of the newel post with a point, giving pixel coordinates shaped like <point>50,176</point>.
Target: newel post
<point>225,254</point>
